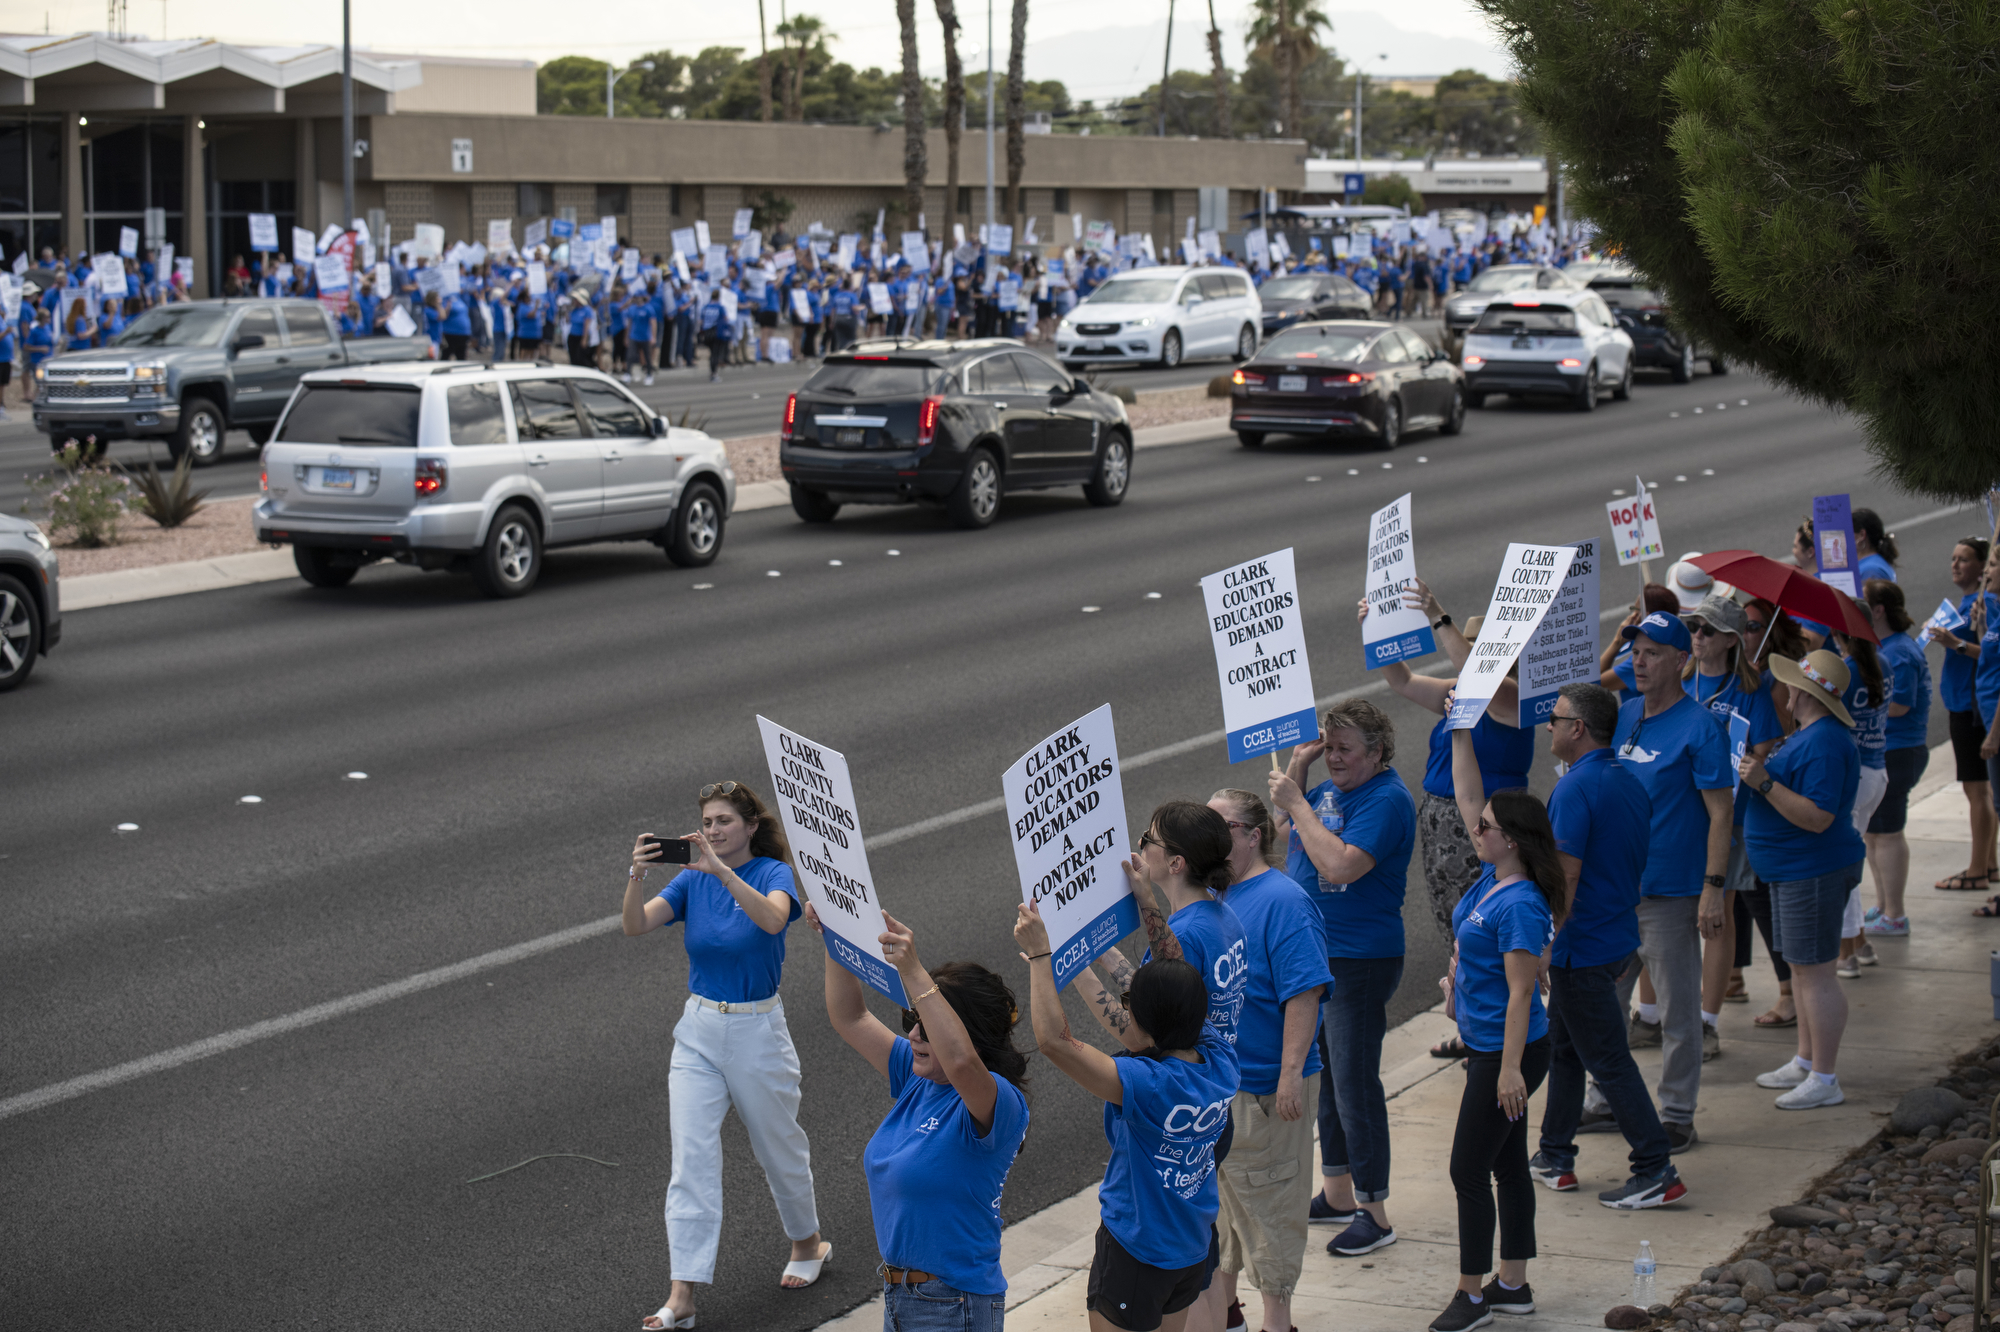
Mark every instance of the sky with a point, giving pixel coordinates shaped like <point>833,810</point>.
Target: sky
<point>1068,42</point>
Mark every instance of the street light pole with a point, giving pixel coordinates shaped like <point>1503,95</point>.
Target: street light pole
<point>611,78</point>
<point>346,117</point>
<point>989,123</point>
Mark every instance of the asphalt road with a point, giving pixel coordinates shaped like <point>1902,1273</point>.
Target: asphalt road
<point>513,750</point>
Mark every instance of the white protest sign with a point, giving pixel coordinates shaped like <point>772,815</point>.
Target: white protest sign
<point>781,352</point>
<point>330,272</point>
<point>263,231</point>
<point>1563,650</point>
<point>878,298</point>
<point>538,278</point>
<point>715,261</point>
<point>10,297</point>
<point>110,271</point>
<point>1000,238</point>
<point>1066,814</point>
<point>535,233</point>
<point>1946,616</point>
<point>1635,527</point>
<point>917,250</point>
<point>728,299</point>
<point>751,246</point>
<point>784,259</point>
<point>1260,656</point>
<point>849,246</point>
<point>500,234</point>
<point>701,237</point>
<point>399,324</point>
<point>683,238</point>
<point>304,246</point>
<point>1256,248</point>
<point>801,307</point>
<point>741,226</point>
<point>184,272</point>
<point>163,260</point>
<point>681,267</point>
<point>1210,243</point>
<point>1392,631</point>
<point>816,805</point>
<point>1522,594</point>
<point>128,242</point>
<point>449,283</point>
<point>383,280</point>
<point>333,233</point>
<point>628,267</point>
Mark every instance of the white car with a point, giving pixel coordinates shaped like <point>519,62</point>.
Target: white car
<point>1163,316</point>
<point>1562,344</point>
<point>1462,307</point>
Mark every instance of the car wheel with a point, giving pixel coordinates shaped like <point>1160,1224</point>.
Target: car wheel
<point>1717,366</point>
<point>696,537</point>
<point>1476,401</point>
<point>977,498</point>
<point>1392,426</point>
<point>1454,417</point>
<point>511,560</point>
<point>1623,391</point>
<point>1170,349</point>
<point>316,565</point>
<point>260,434</point>
<point>201,434</point>
<point>813,505</point>
<point>1586,392</point>
<point>20,633</point>
<point>1684,368</point>
<point>1250,439</point>
<point>1246,343</point>
<point>1114,474</point>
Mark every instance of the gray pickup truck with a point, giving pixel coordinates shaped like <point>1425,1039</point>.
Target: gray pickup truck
<point>188,373</point>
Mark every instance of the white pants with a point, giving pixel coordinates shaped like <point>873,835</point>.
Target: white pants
<point>745,1060</point>
<point>1874,785</point>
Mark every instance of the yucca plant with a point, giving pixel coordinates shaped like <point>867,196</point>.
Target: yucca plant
<point>167,501</point>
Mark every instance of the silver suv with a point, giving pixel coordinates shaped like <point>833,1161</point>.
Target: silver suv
<point>30,599</point>
<point>482,468</point>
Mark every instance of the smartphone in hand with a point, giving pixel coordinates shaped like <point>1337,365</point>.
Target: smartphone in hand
<point>673,850</point>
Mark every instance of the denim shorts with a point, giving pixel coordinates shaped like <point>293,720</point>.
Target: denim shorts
<point>934,1306</point>
<point>1805,915</point>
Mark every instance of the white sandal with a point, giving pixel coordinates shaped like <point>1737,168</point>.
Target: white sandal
<point>807,1269</point>
<point>667,1319</point>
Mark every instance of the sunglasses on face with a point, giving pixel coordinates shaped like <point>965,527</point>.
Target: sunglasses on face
<point>1754,626</point>
<point>1555,717</point>
<point>1483,827</point>
<point>1241,827</point>
<point>1147,839</point>
<point>913,1025</point>
<point>718,788</point>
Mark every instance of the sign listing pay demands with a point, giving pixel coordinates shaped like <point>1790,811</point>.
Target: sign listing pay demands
<point>1530,577</point>
<point>1563,650</point>
<point>1635,527</point>
<point>815,800</point>
<point>1260,656</point>
<point>1066,814</point>
<point>1392,631</point>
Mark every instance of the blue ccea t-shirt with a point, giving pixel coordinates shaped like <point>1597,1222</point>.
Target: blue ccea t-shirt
<point>1821,763</point>
<point>1874,566</point>
<point>1909,673</point>
<point>1955,677</point>
<point>1602,817</point>
<point>730,958</point>
<point>1516,919</point>
<point>1159,1198</point>
<point>1676,754</point>
<point>1504,752</point>
<point>1871,720</point>
<point>1363,918</point>
<point>934,1180</point>
<point>1986,675</point>
<point>1286,946</point>
<point>1211,940</point>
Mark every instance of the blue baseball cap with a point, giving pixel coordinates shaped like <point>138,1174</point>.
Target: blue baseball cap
<point>1664,629</point>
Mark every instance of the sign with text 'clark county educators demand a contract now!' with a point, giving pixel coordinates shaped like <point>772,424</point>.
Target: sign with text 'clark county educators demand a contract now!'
<point>815,800</point>
<point>1529,579</point>
<point>1563,650</point>
<point>1066,814</point>
<point>1392,631</point>
<point>1260,656</point>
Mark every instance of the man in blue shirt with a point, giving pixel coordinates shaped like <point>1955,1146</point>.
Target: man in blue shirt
<point>1602,816</point>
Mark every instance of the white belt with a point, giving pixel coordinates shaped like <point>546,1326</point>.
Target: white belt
<point>740,1006</point>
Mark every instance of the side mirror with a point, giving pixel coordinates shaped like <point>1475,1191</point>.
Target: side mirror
<point>659,427</point>
<point>247,341</point>
<point>1191,298</point>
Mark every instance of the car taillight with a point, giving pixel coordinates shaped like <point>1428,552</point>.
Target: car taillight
<point>1352,377</point>
<point>430,475</point>
<point>791,415</point>
<point>264,480</point>
<point>1245,377</point>
<point>927,416</point>
<point>1473,362</point>
<point>1570,363</point>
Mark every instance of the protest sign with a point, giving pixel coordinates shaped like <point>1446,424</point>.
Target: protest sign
<point>1635,527</point>
<point>382,278</point>
<point>755,280</point>
<point>1525,589</point>
<point>784,259</point>
<point>304,247</point>
<point>607,227</point>
<point>1833,542</point>
<point>1260,656</point>
<point>1010,294</point>
<point>683,238</point>
<point>535,233</point>
<point>429,240</point>
<point>475,255</point>
<point>330,272</point>
<point>1066,814</point>
<point>781,351</point>
<point>628,267</point>
<point>128,242</point>
<point>430,281</point>
<point>263,231</point>
<point>681,267</point>
<point>1257,247</point>
<point>500,234</point>
<point>184,272</point>
<point>334,231</point>
<point>1392,631</point>
<point>1099,236</point>
<point>815,800</point>
<point>740,227</point>
<point>449,283</point>
<point>1739,745</point>
<point>1210,243</point>
<point>878,298</point>
<point>10,297</point>
<point>728,299</point>
<point>561,228</point>
<point>1563,649</point>
<point>715,262</point>
<point>110,271</point>
<point>801,307</point>
<point>589,233</point>
<point>399,324</point>
<point>538,279</point>
<point>163,260</point>
<point>917,250</point>
<point>751,246</point>
<point>1946,616</point>
<point>701,236</point>
<point>1000,238</point>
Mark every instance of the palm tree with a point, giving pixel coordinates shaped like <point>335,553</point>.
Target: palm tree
<point>1290,31</point>
<point>763,68</point>
<point>913,116</point>
<point>954,109</point>
<point>1222,126</point>
<point>1017,141</point>
<point>802,36</point>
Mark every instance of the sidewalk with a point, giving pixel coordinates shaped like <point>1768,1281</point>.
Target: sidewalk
<point>1925,1003</point>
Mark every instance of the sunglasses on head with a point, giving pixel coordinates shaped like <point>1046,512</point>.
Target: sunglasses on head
<point>718,789</point>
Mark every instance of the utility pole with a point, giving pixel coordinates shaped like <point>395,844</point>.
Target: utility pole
<point>1166,64</point>
<point>990,216</point>
<point>346,117</point>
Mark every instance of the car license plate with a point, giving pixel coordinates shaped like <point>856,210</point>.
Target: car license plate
<point>1291,383</point>
<point>850,436</point>
<point>1093,346</point>
<point>336,478</point>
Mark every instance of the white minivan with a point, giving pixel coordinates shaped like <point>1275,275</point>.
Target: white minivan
<point>1162,316</point>
<point>481,468</point>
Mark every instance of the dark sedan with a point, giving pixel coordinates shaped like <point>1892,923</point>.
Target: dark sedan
<point>1306,296</point>
<point>1347,378</point>
<point>1656,343</point>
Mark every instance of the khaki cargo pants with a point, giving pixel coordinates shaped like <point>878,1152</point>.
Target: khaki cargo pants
<point>1266,1185</point>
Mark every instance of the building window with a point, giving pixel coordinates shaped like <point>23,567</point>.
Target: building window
<point>674,200</point>
<point>1062,199</point>
<point>1163,202</point>
<point>613,201</point>
<point>532,200</point>
<point>30,186</point>
<point>230,204</point>
<point>132,177</point>
<point>964,201</point>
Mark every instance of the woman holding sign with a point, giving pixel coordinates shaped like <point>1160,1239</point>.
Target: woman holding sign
<point>731,1046</point>
<point>1955,690</point>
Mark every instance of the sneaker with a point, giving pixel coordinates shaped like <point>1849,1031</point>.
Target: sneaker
<point>1680,1137</point>
<point>1323,1213</point>
<point>1640,1034</point>
<point>1784,1076</point>
<point>1598,1121</point>
<point>1865,954</point>
<point>649,381</point>
<point>1849,968</point>
<point>1811,1095</point>
<point>1504,1301</point>
<point>1711,1042</point>
<point>1872,913</point>
<point>1547,1170</point>
<point>1364,1236</point>
<point>1895,927</point>
<point>1643,1191</point>
<point>1462,1315</point>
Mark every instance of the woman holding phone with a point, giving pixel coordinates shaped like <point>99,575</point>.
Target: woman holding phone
<point>731,1045</point>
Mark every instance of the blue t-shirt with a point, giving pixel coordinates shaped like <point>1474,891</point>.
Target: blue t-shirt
<point>1603,817</point>
<point>1676,755</point>
<point>1158,1197</point>
<point>934,1180</point>
<point>730,958</point>
<point>1821,763</point>
<point>1986,675</point>
<point>1874,566</point>
<point>1723,695</point>
<point>1212,942</point>
<point>1871,720</point>
<point>1955,677</point>
<point>1504,752</point>
<point>1909,673</point>
<point>1515,919</point>
<point>1628,684</point>
<point>1363,918</point>
<point>1286,946</point>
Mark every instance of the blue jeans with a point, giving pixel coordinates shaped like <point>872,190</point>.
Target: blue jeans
<point>1353,1110</point>
<point>1587,1035</point>
<point>936,1307</point>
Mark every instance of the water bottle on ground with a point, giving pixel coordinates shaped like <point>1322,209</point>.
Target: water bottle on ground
<point>1645,1271</point>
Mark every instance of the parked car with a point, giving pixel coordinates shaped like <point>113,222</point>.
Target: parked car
<point>1361,378</point>
<point>1462,308</point>
<point>188,373</point>
<point>1163,316</point>
<point>482,469</point>
<point>956,424</point>
<point>1656,342</point>
<point>1299,297</point>
<point>1563,344</point>
<point>30,599</point>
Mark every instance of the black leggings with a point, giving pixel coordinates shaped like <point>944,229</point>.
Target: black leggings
<point>1759,902</point>
<point>1489,1149</point>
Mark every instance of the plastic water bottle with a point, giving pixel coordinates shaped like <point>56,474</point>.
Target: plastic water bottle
<point>1644,1271</point>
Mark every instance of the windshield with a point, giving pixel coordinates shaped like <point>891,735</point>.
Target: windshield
<point>1315,344</point>
<point>1134,291</point>
<point>1503,279</point>
<point>380,414</point>
<point>869,379</point>
<point>1504,319</point>
<point>1289,289</point>
<point>175,326</point>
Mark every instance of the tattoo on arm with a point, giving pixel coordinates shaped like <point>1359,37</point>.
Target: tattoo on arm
<point>1115,1016</point>
<point>1165,945</point>
<point>1121,974</point>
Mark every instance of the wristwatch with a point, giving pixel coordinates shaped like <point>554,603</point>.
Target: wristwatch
<point>1764,787</point>
<point>1441,621</point>
<point>1714,880</point>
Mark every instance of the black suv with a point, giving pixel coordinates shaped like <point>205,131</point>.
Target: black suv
<point>950,423</point>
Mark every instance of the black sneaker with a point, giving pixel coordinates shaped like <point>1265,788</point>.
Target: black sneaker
<point>1643,1191</point>
<point>1364,1236</point>
<point>1680,1137</point>
<point>1504,1301</point>
<point>1323,1213</point>
<point>1547,1170</point>
<point>1462,1315</point>
<point>1598,1121</point>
